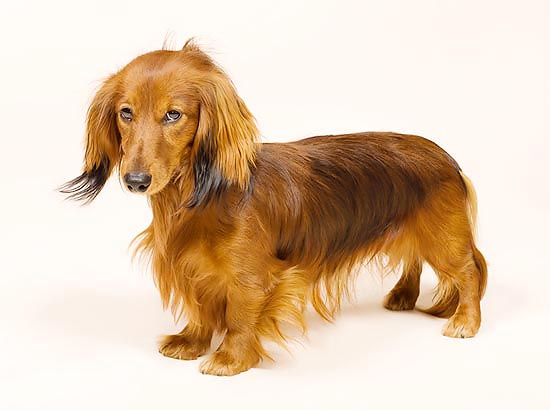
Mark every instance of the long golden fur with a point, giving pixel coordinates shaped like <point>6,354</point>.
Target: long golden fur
<point>244,234</point>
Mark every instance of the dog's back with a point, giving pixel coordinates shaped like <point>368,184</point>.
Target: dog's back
<point>332,202</point>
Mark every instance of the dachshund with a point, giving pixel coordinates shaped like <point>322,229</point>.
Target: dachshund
<point>245,234</point>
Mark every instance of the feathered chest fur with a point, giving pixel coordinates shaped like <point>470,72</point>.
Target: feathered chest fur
<point>190,265</point>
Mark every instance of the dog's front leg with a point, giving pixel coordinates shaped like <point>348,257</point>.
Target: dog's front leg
<point>193,341</point>
<point>241,348</point>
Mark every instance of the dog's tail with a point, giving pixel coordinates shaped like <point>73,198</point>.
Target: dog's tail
<point>479,260</point>
<point>446,294</point>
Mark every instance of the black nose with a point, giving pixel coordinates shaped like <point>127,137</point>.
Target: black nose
<point>137,181</point>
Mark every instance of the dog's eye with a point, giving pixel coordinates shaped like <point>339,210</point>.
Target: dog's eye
<point>171,116</point>
<point>126,114</point>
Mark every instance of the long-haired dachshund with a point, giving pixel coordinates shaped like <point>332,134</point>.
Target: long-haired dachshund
<point>244,234</point>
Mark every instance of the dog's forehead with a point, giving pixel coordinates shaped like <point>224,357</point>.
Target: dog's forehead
<point>156,74</point>
<point>151,67</point>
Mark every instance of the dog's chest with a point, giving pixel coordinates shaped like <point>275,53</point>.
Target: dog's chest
<point>192,253</point>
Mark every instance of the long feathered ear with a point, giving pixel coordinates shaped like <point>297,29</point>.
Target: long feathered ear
<point>102,146</point>
<point>225,142</point>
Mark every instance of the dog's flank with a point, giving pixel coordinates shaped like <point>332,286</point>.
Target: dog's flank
<point>244,234</point>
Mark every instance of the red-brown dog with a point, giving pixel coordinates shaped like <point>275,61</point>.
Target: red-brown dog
<point>244,233</point>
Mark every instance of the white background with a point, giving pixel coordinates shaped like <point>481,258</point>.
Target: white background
<point>79,323</point>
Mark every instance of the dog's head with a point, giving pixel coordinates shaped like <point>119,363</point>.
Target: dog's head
<point>168,117</point>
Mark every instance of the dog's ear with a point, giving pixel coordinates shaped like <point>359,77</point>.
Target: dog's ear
<point>102,145</point>
<point>224,148</point>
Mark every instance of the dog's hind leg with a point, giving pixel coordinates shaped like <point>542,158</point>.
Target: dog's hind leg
<point>459,292</point>
<point>404,294</point>
<point>448,246</point>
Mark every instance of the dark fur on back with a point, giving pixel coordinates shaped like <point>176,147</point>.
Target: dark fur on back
<point>343,192</point>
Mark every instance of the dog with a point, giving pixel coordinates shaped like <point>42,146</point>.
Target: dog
<point>245,234</point>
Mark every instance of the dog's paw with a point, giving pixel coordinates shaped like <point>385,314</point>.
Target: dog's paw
<point>461,325</point>
<point>179,347</point>
<point>399,299</point>
<point>224,364</point>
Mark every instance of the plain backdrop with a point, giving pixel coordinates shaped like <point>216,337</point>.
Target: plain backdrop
<point>79,323</point>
